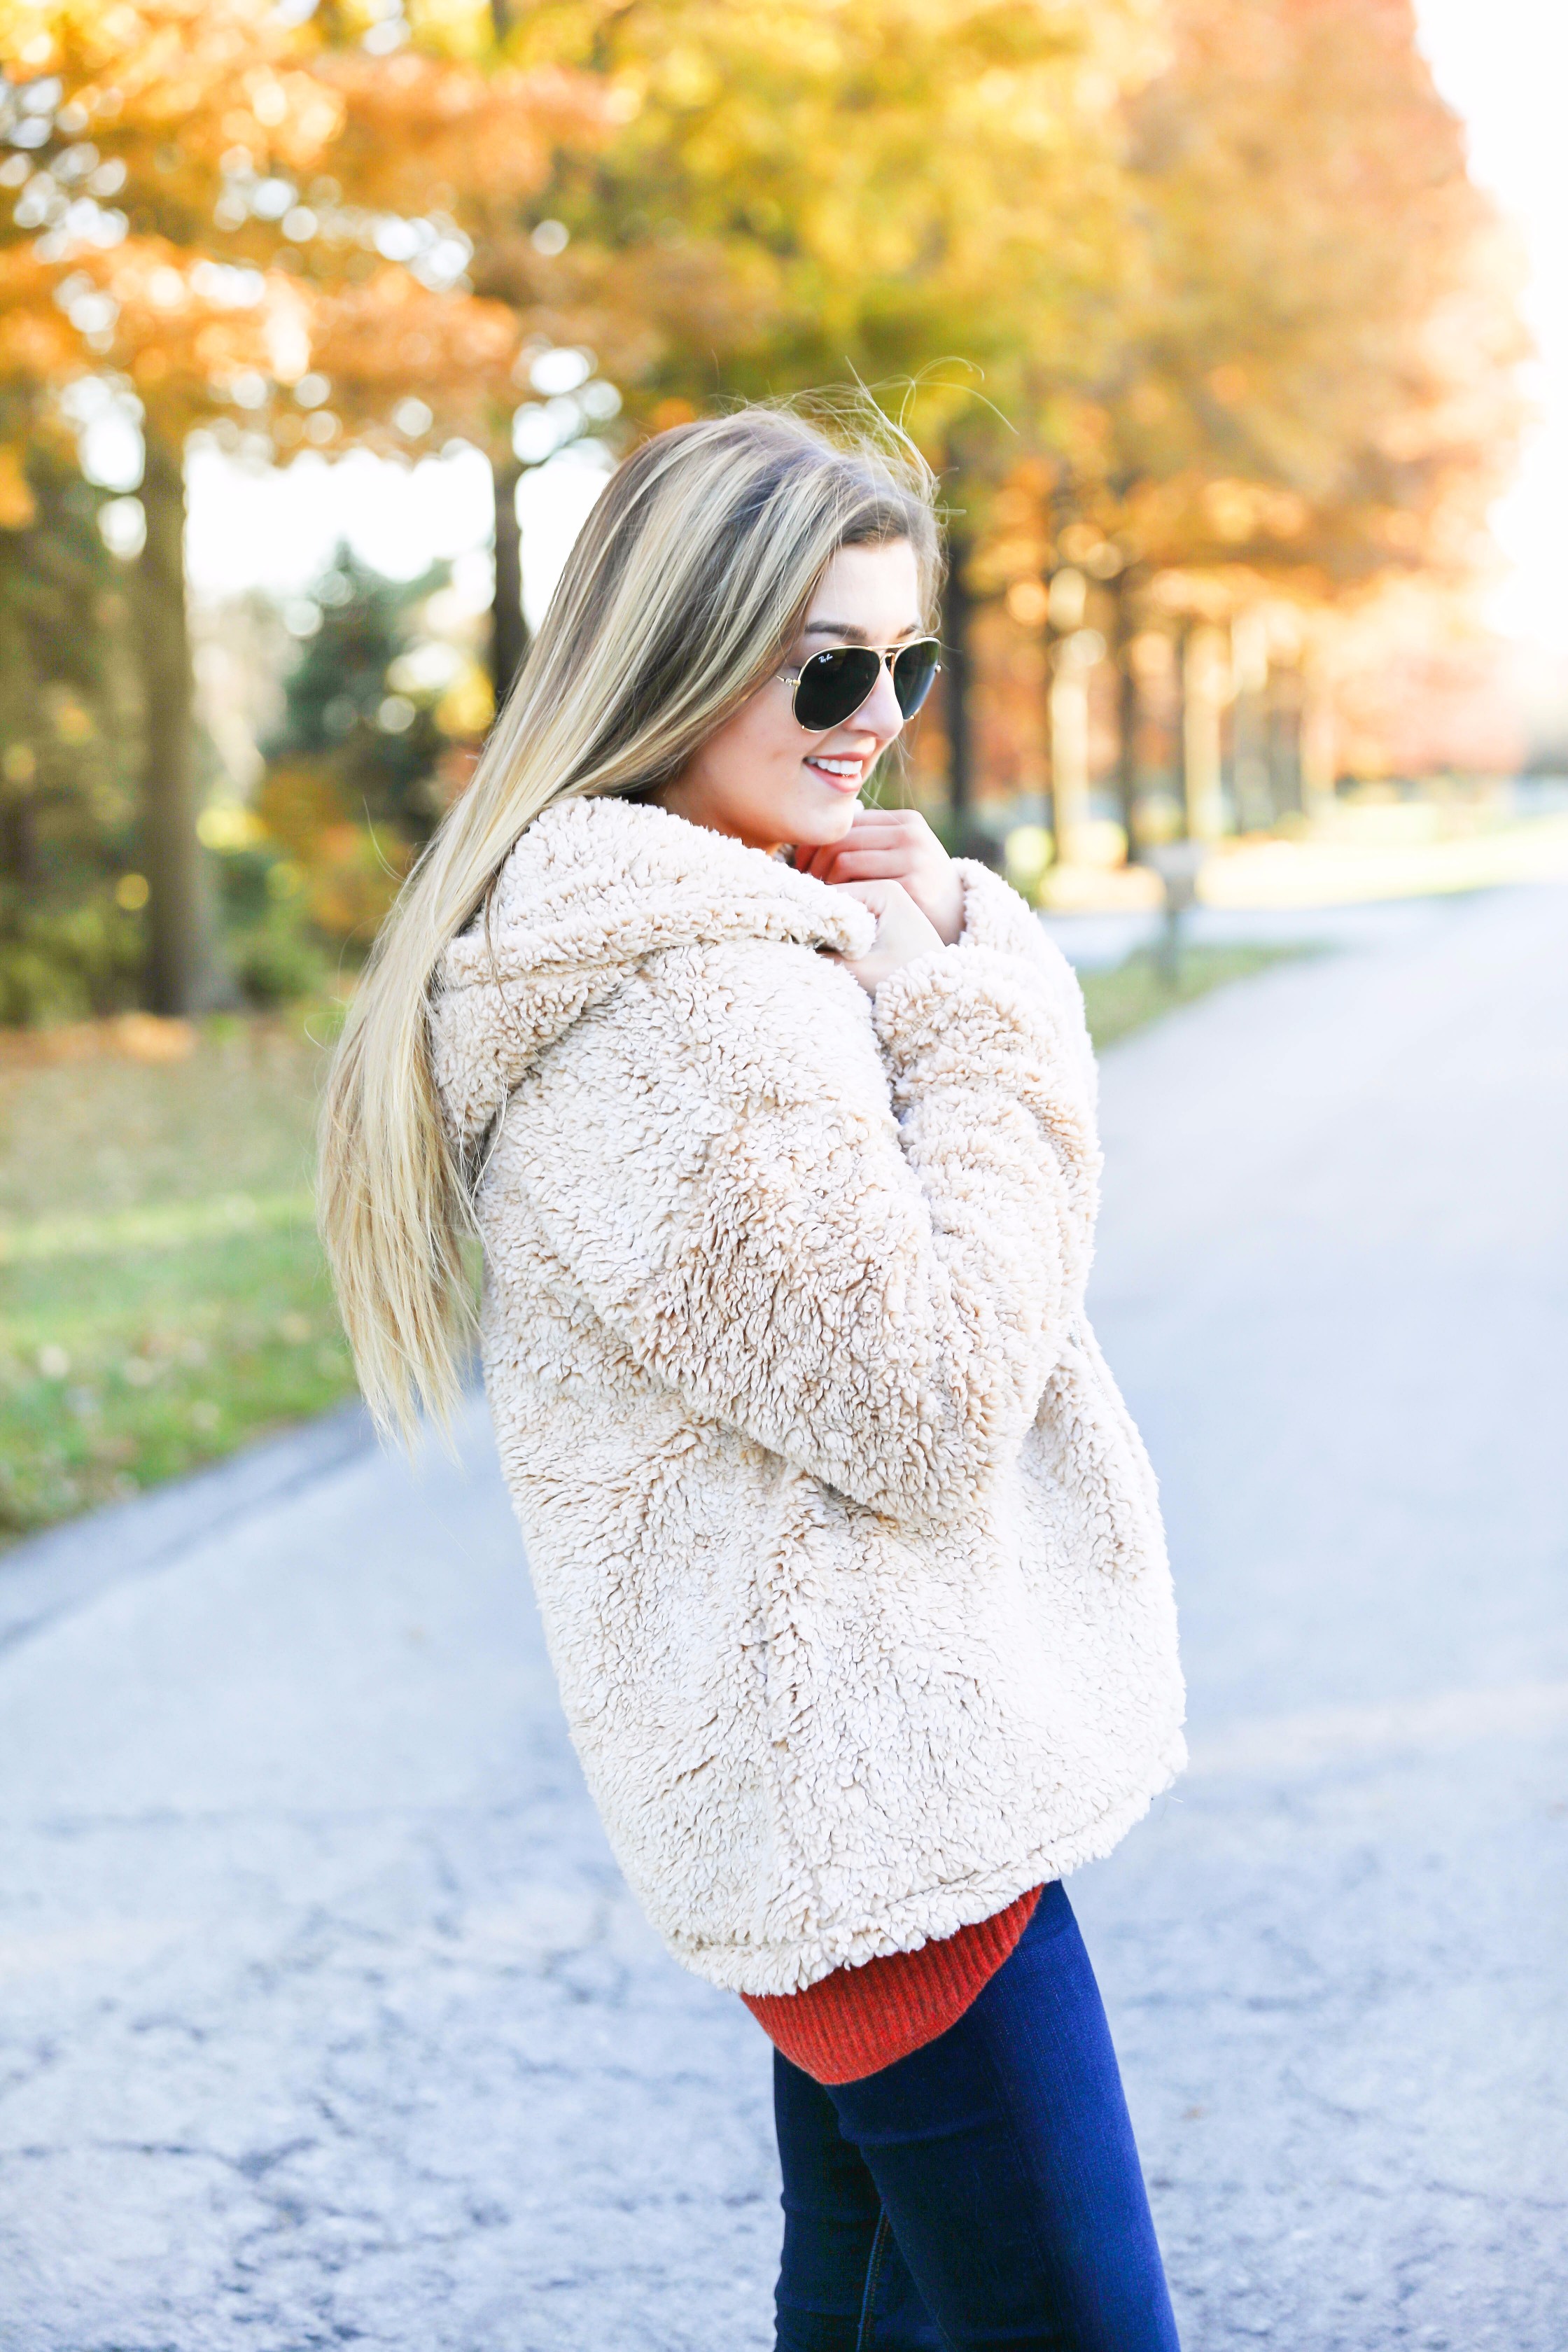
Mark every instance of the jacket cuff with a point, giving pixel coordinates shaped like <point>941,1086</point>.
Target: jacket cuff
<point>964,1014</point>
<point>995,916</point>
<point>998,922</point>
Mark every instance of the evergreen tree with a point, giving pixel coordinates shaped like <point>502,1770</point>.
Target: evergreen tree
<point>345,717</point>
<point>67,806</point>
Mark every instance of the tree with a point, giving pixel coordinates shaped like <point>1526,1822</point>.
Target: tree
<point>1342,354</point>
<point>66,805</point>
<point>352,787</point>
<point>1226,306</point>
<point>799,194</point>
<point>231,211</point>
<point>450,126</point>
<point>1314,385</point>
<point>362,710</point>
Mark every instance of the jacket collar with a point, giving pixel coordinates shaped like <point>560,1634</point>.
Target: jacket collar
<point>594,886</point>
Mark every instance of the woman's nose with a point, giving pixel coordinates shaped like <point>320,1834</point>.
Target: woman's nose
<point>880,711</point>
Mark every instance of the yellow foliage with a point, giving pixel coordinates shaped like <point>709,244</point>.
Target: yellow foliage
<point>346,874</point>
<point>228,825</point>
<point>300,802</point>
<point>1219,264</point>
<point>468,704</point>
<point>352,880</point>
<point>193,289</point>
<point>17,506</point>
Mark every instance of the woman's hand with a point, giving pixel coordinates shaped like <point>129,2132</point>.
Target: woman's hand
<point>896,845</point>
<point>903,932</point>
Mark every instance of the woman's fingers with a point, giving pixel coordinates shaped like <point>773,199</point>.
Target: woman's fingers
<point>886,833</point>
<point>895,846</point>
<point>887,825</point>
<point>891,825</point>
<point>865,866</point>
<point>903,932</point>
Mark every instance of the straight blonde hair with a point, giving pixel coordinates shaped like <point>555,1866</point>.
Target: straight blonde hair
<point>686,586</point>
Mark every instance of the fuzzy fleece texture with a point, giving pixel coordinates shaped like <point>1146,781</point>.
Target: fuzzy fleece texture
<point>849,1554</point>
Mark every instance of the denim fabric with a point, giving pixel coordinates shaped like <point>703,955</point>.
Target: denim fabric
<point>983,2192</point>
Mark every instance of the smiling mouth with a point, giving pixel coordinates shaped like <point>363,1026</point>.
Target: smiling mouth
<point>844,775</point>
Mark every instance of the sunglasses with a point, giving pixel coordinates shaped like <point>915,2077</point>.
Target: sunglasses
<point>831,687</point>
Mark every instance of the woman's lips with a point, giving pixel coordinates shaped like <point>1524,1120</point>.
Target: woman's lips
<point>845,776</point>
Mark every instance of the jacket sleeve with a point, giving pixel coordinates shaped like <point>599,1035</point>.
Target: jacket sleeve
<point>996,918</point>
<point>874,1280</point>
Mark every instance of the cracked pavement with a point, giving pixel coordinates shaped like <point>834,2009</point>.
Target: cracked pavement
<point>327,2019</point>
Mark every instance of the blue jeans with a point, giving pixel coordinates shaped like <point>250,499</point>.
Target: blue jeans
<point>983,2191</point>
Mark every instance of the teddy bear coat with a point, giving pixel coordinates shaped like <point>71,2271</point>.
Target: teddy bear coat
<point>848,1555</point>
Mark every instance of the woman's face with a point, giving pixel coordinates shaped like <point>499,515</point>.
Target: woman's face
<point>761,777</point>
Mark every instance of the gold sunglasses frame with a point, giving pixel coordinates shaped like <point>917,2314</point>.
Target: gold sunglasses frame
<point>886,655</point>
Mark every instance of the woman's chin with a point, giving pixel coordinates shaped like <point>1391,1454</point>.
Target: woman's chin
<point>818,825</point>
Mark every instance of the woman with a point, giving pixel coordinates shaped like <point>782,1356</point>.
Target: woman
<point>777,1127</point>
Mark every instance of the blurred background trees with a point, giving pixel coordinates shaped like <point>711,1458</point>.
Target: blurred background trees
<point>1192,301</point>
<point>69,769</point>
<point>231,209</point>
<point>1310,391</point>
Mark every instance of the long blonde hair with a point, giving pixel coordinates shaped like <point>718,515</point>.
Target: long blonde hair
<point>687,584</point>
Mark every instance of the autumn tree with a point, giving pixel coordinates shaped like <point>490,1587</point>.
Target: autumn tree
<point>1312,387</point>
<point>923,194</point>
<point>230,209</point>
<point>1322,362</point>
<point>1176,291</point>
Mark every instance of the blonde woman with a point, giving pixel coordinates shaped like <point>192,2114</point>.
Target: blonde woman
<point>777,1127</point>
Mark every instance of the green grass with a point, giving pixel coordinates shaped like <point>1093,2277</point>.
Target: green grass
<point>1138,991</point>
<point>162,1296</point>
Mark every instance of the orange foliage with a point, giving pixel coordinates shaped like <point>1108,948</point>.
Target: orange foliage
<point>227,201</point>
<point>1420,689</point>
<point>413,126</point>
<point>1251,325</point>
<point>349,874</point>
<point>1317,372</point>
<point>1312,389</point>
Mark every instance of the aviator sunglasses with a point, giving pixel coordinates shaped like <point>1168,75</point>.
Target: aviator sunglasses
<point>831,687</point>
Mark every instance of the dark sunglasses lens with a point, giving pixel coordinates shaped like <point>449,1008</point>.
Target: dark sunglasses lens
<point>833,685</point>
<point>913,671</point>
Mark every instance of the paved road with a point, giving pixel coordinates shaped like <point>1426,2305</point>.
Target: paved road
<point>327,2021</point>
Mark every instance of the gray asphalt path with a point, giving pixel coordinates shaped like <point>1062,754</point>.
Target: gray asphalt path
<point>326,2018</point>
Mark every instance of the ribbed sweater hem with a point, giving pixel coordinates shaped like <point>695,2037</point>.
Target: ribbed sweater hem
<point>860,2020</point>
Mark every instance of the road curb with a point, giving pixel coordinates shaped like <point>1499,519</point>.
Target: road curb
<point>52,1574</point>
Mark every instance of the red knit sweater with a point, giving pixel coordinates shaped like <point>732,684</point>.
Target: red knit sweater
<point>858,2021</point>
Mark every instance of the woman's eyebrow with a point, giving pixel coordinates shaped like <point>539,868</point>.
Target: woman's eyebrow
<point>847,634</point>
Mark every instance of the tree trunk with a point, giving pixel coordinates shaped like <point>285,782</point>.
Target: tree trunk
<point>1201,732</point>
<point>18,839</point>
<point>1069,748</point>
<point>1179,730</point>
<point>181,970</point>
<point>1129,713</point>
<point>509,631</point>
<point>1320,747</point>
<point>1255,809</point>
<point>1284,721</point>
<point>958,609</point>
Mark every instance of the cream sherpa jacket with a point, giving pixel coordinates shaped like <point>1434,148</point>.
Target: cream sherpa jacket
<point>849,1554</point>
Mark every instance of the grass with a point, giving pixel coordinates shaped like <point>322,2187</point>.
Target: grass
<point>1138,991</point>
<point>162,1296</point>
